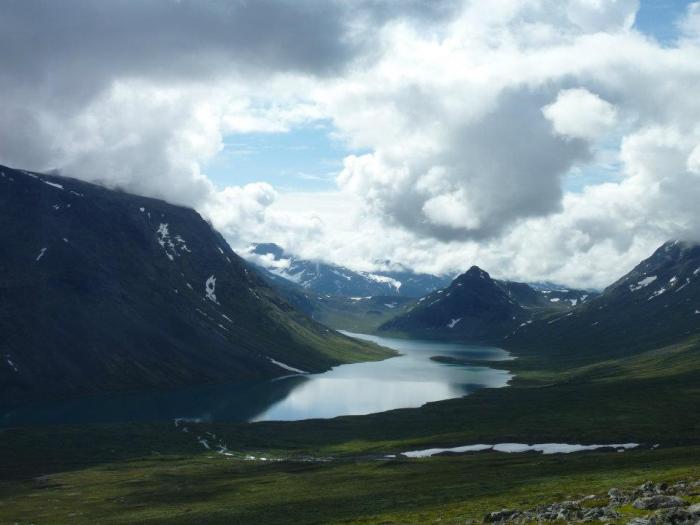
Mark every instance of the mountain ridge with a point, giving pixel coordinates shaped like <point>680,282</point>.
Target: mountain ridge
<point>107,291</point>
<point>332,279</point>
<point>656,303</point>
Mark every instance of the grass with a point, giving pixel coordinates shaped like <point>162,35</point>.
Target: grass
<point>157,474</point>
<point>362,316</point>
<point>215,490</point>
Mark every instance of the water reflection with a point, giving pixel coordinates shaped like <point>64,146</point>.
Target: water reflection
<point>409,380</point>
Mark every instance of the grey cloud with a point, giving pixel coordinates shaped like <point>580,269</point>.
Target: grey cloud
<point>72,48</point>
<point>56,58</point>
<point>506,166</point>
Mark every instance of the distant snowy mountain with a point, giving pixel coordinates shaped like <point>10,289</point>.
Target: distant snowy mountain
<point>330,279</point>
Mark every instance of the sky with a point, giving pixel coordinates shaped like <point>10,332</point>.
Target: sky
<point>548,140</point>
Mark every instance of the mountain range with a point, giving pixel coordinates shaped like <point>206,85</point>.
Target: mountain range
<point>656,303</point>
<point>334,280</point>
<point>104,291</point>
<point>476,308</point>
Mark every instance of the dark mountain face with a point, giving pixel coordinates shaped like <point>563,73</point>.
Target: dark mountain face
<point>474,308</point>
<point>330,279</point>
<point>102,290</point>
<point>550,297</point>
<point>658,302</point>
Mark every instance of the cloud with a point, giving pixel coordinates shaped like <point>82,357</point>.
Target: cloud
<point>470,116</point>
<point>237,211</point>
<point>578,113</point>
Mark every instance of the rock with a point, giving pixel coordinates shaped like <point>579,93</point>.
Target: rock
<point>600,514</point>
<point>639,521</point>
<point>694,509</point>
<point>501,516</point>
<point>663,499</point>
<point>658,501</point>
<point>675,516</point>
<point>646,487</point>
<point>618,497</point>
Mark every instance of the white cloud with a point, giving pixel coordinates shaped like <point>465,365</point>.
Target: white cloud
<point>469,115</point>
<point>578,113</point>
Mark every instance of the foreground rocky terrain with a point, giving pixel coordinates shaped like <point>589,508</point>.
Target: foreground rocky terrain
<point>649,504</point>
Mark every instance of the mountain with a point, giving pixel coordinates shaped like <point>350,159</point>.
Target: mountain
<point>549,297</point>
<point>330,279</point>
<point>356,314</point>
<point>657,303</point>
<point>474,308</point>
<point>101,290</point>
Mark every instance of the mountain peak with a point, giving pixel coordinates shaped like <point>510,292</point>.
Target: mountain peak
<point>476,272</point>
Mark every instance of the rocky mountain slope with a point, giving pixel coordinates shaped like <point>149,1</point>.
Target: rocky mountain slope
<point>657,303</point>
<point>330,279</point>
<point>474,307</point>
<point>102,290</point>
<point>550,297</point>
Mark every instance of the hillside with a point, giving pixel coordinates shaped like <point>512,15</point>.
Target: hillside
<point>104,290</point>
<point>473,308</point>
<point>656,304</point>
<point>551,297</point>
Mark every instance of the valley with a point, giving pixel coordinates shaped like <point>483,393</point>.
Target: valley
<point>163,475</point>
<point>444,406</point>
<point>408,380</point>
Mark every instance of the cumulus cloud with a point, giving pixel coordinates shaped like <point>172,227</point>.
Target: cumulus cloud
<point>578,113</point>
<point>470,116</point>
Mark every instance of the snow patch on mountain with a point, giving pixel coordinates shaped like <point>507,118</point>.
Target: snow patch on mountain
<point>170,244</point>
<point>210,289</point>
<point>657,293</point>
<point>287,367</point>
<point>643,283</point>
<point>52,184</point>
<point>384,280</point>
<point>11,364</point>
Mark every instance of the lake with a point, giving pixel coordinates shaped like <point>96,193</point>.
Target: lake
<point>409,380</point>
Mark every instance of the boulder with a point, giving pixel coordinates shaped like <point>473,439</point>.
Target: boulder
<point>600,514</point>
<point>694,509</point>
<point>501,516</point>
<point>618,497</point>
<point>675,516</point>
<point>658,501</point>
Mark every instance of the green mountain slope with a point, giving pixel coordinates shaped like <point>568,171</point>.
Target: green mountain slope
<point>654,305</point>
